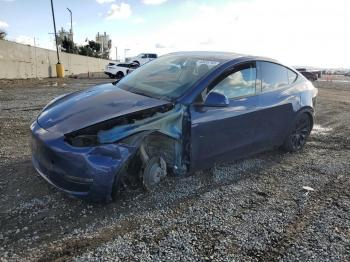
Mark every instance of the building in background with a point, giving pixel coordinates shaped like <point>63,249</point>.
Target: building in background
<point>105,42</point>
<point>62,34</point>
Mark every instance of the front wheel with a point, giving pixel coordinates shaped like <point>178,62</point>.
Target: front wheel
<point>299,133</point>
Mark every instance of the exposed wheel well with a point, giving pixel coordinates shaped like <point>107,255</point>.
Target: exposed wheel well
<point>158,143</point>
<point>154,144</point>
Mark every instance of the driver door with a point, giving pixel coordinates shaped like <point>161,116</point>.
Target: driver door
<point>226,133</point>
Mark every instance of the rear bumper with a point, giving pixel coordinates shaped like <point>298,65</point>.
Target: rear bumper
<point>85,172</point>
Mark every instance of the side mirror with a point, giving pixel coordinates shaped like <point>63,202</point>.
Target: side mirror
<point>215,99</point>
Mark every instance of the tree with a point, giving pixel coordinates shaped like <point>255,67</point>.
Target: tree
<point>105,54</point>
<point>68,46</point>
<point>95,46</point>
<point>91,49</point>
<point>2,34</point>
<point>85,50</point>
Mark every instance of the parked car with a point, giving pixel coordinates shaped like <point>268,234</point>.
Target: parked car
<point>143,58</point>
<point>179,113</point>
<point>118,71</point>
<point>347,74</point>
<point>309,75</point>
<point>133,66</point>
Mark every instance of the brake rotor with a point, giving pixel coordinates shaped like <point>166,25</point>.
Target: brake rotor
<point>154,172</point>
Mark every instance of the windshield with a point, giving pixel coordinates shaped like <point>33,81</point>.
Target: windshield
<point>167,77</point>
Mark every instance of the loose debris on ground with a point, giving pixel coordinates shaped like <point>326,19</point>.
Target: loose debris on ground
<point>273,206</point>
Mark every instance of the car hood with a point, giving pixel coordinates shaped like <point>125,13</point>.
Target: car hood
<point>94,105</point>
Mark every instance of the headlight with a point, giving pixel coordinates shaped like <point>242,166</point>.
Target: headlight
<point>82,140</point>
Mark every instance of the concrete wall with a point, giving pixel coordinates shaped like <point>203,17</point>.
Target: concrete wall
<point>23,61</point>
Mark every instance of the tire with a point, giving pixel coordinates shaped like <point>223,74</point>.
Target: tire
<point>298,133</point>
<point>119,75</point>
<point>118,184</point>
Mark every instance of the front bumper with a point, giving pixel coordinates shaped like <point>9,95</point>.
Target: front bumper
<point>83,172</point>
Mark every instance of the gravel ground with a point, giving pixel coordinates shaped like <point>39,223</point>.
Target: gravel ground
<point>254,209</point>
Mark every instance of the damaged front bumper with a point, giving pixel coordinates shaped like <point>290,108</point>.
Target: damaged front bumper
<point>83,172</point>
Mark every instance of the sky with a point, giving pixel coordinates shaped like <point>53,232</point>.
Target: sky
<point>312,33</point>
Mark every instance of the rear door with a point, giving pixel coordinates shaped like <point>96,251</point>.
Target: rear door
<point>276,103</point>
<point>226,133</point>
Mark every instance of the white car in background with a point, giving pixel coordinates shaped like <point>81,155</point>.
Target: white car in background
<point>143,58</point>
<point>114,70</point>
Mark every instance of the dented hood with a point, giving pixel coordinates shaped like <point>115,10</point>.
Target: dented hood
<point>85,108</point>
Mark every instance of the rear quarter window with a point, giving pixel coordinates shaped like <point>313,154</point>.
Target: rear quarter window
<point>273,76</point>
<point>292,76</point>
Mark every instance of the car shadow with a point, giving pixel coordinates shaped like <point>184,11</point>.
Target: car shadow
<point>28,202</point>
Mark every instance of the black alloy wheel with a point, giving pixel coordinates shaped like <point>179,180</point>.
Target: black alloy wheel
<point>299,133</point>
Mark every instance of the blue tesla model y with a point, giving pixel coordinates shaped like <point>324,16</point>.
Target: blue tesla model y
<point>179,113</point>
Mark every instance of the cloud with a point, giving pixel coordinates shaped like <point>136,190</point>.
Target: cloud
<point>122,11</point>
<point>104,1</point>
<point>208,41</point>
<point>3,25</point>
<point>153,2</point>
<point>315,35</point>
<point>292,35</point>
<point>159,45</point>
<point>138,20</point>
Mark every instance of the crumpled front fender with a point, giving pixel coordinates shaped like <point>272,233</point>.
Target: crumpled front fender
<point>86,172</point>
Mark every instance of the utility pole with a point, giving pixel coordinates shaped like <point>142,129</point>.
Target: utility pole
<point>54,27</point>
<point>59,66</point>
<point>116,53</point>
<point>71,22</point>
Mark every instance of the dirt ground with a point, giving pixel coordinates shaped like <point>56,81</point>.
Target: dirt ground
<point>250,210</point>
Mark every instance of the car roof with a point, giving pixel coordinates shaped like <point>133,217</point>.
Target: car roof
<point>223,56</point>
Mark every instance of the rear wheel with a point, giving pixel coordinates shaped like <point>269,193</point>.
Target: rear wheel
<point>299,133</point>
<point>119,75</point>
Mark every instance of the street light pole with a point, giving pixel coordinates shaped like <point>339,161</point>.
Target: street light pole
<point>54,27</point>
<point>125,50</point>
<point>71,22</point>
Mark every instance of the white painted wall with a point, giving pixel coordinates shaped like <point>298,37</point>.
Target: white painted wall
<point>23,61</point>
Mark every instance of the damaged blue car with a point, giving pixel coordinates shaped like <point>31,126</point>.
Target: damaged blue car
<point>179,113</point>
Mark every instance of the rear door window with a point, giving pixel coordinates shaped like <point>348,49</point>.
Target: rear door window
<point>273,76</point>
